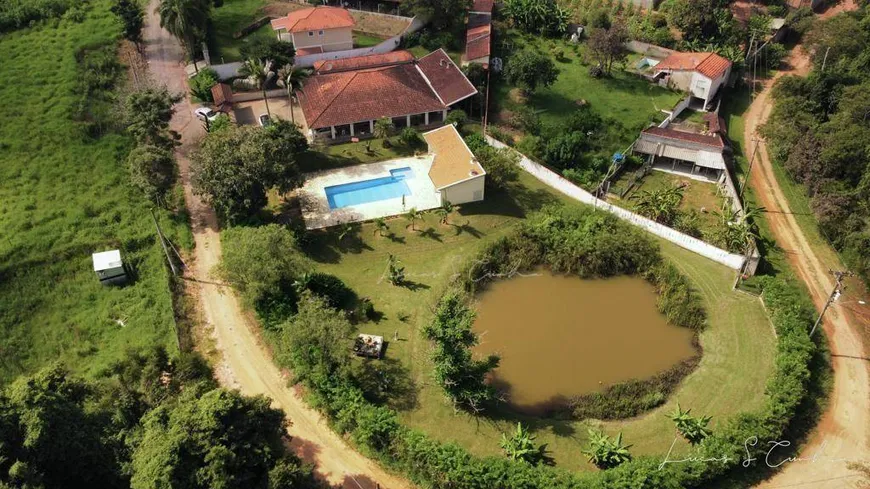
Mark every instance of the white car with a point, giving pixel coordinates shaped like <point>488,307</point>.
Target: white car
<point>205,113</point>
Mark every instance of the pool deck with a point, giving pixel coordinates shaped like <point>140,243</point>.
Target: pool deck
<point>315,207</point>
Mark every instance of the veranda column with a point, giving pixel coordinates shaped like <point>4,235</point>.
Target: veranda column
<point>351,129</point>
<point>408,117</point>
<point>371,127</point>
<point>426,118</point>
<point>332,130</point>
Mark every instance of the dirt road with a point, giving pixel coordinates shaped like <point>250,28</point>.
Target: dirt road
<point>245,364</point>
<point>842,434</point>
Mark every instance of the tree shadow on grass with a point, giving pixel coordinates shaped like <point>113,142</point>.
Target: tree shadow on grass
<point>387,382</point>
<point>432,234</point>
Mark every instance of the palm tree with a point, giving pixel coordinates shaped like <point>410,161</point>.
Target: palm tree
<point>293,79</point>
<point>383,128</point>
<point>521,446</point>
<point>445,210</point>
<point>187,20</point>
<point>259,72</point>
<point>660,205</point>
<point>605,452</point>
<point>692,428</point>
<point>381,226</point>
<point>412,215</point>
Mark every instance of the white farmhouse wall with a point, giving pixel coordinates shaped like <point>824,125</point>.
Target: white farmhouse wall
<point>681,80</point>
<point>701,86</point>
<point>467,191</point>
<point>695,245</point>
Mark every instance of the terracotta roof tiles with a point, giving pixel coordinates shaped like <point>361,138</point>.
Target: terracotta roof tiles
<point>710,65</point>
<point>371,61</point>
<point>314,18</point>
<point>445,77</point>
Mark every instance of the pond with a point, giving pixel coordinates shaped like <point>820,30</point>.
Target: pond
<point>561,336</point>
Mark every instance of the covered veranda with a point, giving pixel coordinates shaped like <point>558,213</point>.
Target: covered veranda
<point>697,164</point>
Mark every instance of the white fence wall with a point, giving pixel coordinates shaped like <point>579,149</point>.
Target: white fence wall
<point>231,70</point>
<point>695,245</point>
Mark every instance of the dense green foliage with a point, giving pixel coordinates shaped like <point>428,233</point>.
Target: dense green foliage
<point>64,194</point>
<point>132,17</point>
<point>235,167</point>
<point>280,53</point>
<point>693,428</point>
<point>15,14</point>
<point>441,14</point>
<point>521,446</point>
<point>606,452</point>
<point>201,83</point>
<point>149,421</point>
<point>819,131</point>
<point>152,170</point>
<point>261,262</point>
<point>187,20</point>
<point>544,17</point>
<point>501,165</point>
<point>462,377</point>
<point>528,70</point>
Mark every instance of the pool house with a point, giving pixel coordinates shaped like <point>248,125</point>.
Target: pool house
<point>448,172</point>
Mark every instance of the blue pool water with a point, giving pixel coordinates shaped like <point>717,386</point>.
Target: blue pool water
<point>373,190</point>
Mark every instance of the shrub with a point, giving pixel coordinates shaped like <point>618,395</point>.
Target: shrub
<point>201,83</point>
<point>457,117</point>
<point>525,118</point>
<point>410,137</point>
<point>337,294</point>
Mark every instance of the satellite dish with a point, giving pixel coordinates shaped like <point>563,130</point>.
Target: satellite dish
<point>496,64</point>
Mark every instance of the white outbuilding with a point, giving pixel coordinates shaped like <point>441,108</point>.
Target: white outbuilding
<point>455,173</point>
<point>109,267</point>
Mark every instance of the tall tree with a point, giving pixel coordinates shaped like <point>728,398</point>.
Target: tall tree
<point>529,70</point>
<point>317,341</point>
<point>132,18</point>
<point>152,170</point>
<point>217,438</point>
<point>442,15</point>
<point>147,116</point>
<point>187,20</point>
<point>608,45</point>
<point>234,167</point>
<point>293,79</point>
<point>258,70</point>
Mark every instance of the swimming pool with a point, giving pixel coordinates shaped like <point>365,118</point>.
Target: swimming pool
<point>391,187</point>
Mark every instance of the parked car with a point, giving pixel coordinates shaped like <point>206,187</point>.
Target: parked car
<point>205,113</point>
<point>264,120</point>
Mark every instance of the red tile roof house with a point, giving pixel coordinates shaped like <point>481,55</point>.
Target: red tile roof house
<point>316,30</point>
<point>699,74</point>
<point>344,98</point>
<point>477,45</point>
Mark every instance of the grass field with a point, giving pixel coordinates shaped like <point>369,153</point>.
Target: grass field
<point>64,196</point>
<point>364,40</point>
<point>228,19</point>
<point>368,151</point>
<point>738,345</point>
<point>623,96</point>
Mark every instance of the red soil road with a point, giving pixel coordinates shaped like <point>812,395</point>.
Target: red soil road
<point>841,437</point>
<point>245,364</point>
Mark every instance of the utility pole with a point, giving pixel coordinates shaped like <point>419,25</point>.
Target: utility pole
<point>748,170</point>
<point>163,243</point>
<point>835,294</point>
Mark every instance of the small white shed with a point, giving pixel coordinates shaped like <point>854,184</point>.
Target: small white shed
<point>109,267</point>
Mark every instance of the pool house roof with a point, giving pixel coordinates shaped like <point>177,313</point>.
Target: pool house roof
<point>454,163</point>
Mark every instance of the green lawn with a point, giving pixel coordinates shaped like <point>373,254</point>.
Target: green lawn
<point>622,96</point>
<point>64,196</point>
<point>365,40</point>
<point>366,151</point>
<point>228,19</point>
<point>738,345</point>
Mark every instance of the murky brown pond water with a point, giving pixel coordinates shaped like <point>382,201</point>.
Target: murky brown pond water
<point>562,336</point>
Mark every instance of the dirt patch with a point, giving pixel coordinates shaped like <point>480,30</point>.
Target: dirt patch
<point>380,25</point>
